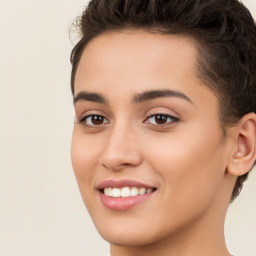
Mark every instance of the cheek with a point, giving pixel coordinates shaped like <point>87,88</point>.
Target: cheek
<point>84,156</point>
<point>190,163</point>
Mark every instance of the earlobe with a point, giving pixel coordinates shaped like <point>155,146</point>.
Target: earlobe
<point>245,136</point>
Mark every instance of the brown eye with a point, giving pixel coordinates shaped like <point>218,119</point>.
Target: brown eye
<point>97,120</point>
<point>161,119</point>
<point>94,120</point>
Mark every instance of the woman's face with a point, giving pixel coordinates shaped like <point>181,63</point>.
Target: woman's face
<point>147,134</point>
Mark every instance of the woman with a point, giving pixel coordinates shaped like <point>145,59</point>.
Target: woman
<point>165,125</point>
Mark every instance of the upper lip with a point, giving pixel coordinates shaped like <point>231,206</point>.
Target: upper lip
<point>122,183</point>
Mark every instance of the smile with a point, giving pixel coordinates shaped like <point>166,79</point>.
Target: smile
<point>126,191</point>
<point>121,195</point>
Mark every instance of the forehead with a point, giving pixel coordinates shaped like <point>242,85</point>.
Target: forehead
<point>122,64</point>
<point>140,42</point>
<point>135,54</point>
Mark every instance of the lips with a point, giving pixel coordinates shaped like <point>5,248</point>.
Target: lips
<point>124,194</point>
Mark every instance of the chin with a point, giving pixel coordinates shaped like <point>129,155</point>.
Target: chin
<point>135,238</point>
<point>132,232</point>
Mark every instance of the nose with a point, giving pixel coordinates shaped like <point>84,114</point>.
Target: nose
<point>120,150</point>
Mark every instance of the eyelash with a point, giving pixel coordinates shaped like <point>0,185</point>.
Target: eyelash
<point>172,120</point>
<point>83,121</point>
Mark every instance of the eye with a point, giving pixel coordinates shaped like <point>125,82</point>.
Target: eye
<point>161,119</point>
<point>94,120</point>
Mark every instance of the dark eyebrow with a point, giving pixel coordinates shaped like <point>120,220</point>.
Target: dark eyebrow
<point>89,96</point>
<point>154,94</point>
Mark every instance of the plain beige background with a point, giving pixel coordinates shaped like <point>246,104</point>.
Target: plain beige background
<point>41,212</point>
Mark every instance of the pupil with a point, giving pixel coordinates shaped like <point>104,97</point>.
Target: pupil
<point>161,119</point>
<point>97,120</point>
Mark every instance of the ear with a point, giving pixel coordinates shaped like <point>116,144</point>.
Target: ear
<point>244,154</point>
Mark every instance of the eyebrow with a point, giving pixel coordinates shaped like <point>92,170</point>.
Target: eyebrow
<point>138,98</point>
<point>89,96</point>
<point>154,94</point>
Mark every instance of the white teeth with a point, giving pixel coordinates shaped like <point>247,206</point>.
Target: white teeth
<point>116,192</point>
<point>134,191</point>
<point>142,191</point>
<point>149,190</point>
<point>106,191</point>
<point>126,191</point>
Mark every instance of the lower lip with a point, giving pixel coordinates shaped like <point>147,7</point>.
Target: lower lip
<point>123,203</point>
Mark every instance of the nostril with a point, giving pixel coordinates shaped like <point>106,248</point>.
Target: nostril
<point>116,164</point>
<point>125,164</point>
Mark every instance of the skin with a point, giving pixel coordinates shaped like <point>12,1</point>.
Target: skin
<point>187,161</point>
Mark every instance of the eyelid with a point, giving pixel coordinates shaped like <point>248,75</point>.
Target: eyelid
<point>88,116</point>
<point>91,112</point>
<point>90,108</point>
<point>82,120</point>
<point>173,118</point>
